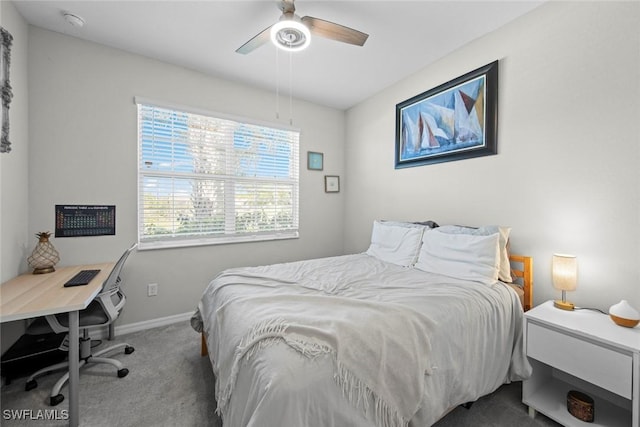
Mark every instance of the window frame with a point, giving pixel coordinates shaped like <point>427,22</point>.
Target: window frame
<point>174,241</point>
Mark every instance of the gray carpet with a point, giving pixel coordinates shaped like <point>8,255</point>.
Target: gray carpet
<point>169,384</point>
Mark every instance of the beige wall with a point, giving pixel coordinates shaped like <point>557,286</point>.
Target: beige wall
<point>566,177</point>
<point>15,240</point>
<point>84,151</point>
<point>14,178</point>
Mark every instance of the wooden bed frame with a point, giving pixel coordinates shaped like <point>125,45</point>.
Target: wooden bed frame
<point>524,274</point>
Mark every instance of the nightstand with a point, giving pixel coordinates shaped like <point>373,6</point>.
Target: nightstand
<point>582,350</point>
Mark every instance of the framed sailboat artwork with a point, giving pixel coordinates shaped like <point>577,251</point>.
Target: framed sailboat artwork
<point>454,121</point>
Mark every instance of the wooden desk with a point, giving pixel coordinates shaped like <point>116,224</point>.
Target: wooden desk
<point>33,295</point>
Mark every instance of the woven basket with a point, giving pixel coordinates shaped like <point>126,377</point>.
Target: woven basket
<point>580,406</point>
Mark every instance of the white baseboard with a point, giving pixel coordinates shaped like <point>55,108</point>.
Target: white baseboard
<point>144,325</point>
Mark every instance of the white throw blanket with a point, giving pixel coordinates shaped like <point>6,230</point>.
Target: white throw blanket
<point>384,364</point>
<point>474,341</point>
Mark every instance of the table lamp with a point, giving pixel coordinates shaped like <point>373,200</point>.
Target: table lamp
<point>564,272</point>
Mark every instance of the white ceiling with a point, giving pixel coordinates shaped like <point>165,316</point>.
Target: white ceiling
<point>404,36</point>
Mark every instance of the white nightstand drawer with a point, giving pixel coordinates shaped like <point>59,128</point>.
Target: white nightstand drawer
<point>603,366</point>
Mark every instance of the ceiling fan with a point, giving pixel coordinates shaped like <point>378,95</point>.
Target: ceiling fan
<point>293,33</point>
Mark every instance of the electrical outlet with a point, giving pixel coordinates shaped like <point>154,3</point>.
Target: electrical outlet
<point>152,289</point>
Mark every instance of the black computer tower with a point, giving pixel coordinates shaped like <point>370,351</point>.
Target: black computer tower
<point>30,353</point>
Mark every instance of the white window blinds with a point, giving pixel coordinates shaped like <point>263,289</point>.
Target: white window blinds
<point>207,180</point>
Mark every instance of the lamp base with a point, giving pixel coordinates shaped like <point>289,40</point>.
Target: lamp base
<point>563,305</point>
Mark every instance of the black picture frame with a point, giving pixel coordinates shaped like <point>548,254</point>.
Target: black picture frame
<point>331,184</point>
<point>454,121</point>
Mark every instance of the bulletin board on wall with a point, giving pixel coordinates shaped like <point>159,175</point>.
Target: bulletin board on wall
<point>85,220</point>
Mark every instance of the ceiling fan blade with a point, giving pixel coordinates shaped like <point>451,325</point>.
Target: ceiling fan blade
<point>333,31</point>
<point>257,41</point>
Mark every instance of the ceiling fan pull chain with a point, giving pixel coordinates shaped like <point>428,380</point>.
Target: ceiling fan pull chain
<point>277,85</point>
<point>290,89</point>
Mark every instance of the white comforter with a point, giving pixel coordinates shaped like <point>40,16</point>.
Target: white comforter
<point>354,341</point>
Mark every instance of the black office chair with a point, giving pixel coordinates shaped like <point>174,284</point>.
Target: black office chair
<point>101,312</point>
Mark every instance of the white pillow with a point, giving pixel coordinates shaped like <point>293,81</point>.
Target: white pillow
<point>396,243</point>
<point>504,274</point>
<point>463,256</point>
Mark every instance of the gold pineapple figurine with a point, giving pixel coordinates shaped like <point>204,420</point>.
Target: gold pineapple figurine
<point>44,255</point>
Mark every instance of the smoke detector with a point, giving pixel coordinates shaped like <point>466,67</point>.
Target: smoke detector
<point>73,19</point>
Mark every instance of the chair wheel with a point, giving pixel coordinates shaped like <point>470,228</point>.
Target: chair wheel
<point>123,372</point>
<point>128,349</point>
<point>54,400</point>
<point>30,385</point>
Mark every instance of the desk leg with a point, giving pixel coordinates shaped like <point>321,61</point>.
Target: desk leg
<point>74,367</point>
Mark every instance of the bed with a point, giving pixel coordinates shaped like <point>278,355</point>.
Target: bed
<point>428,318</point>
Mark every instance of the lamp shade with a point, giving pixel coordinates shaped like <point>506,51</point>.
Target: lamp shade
<point>564,272</point>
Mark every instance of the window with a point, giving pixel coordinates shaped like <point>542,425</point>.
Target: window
<point>207,180</point>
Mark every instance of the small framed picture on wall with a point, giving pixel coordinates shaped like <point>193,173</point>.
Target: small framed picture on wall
<point>315,161</point>
<point>331,184</point>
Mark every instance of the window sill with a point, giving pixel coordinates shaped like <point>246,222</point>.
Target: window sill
<point>183,243</point>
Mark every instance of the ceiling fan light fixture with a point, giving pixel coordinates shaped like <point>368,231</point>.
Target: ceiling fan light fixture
<point>290,35</point>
